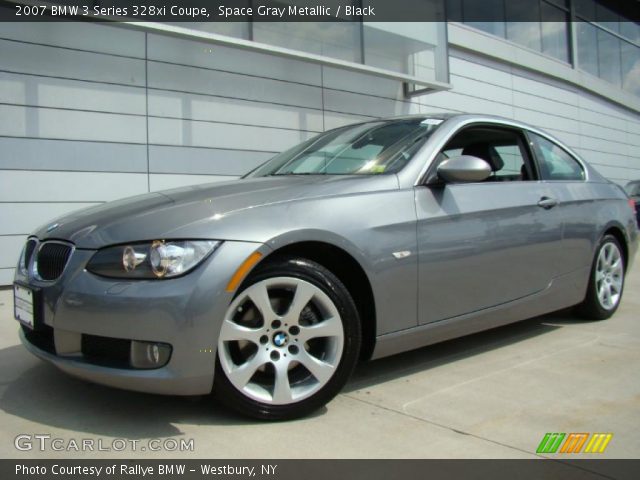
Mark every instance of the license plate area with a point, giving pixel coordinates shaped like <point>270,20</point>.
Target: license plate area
<point>26,305</point>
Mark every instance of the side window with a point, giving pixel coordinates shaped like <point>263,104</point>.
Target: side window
<point>554,162</point>
<point>502,148</point>
<point>633,189</point>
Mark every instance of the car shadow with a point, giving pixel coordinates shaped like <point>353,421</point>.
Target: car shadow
<point>369,374</point>
<point>38,392</point>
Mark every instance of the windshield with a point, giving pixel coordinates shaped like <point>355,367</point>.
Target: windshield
<point>367,149</point>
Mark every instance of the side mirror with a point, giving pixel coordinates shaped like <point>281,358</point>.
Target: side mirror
<point>464,168</point>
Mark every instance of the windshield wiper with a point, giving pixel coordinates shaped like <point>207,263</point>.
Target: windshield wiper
<point>295,173</point>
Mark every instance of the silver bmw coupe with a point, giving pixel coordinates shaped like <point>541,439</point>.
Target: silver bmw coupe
<point>365,241</point>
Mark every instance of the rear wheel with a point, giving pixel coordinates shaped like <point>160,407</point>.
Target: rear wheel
<point>606,282</point>
<point>288,342</point>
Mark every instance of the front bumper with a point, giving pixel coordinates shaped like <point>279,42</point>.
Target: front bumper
<point>184,312</point>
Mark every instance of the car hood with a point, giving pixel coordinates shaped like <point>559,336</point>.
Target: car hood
<point>200,211</point>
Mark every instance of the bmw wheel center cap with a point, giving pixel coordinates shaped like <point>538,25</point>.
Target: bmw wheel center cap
<point>280,339</point>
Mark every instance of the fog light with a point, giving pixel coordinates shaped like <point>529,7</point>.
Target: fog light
<point>149,354</point>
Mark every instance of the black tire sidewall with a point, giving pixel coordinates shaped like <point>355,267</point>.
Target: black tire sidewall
<point>312,272</point>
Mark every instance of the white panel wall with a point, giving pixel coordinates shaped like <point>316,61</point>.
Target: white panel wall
<point>90,113</point>
<point>72,124</point>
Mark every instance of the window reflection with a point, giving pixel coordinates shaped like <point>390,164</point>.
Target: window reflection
<point>609,57</point>
<point>555,34</point>
<point>405,47</point>
<point>607,44</point>
<point>519,29</point>
<point>340,40</point>
<point>631,68</point>
<point>550,35</point>
<point>230,29</point>
<point>587,48</point>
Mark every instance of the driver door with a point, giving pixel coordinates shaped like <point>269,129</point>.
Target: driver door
<point>487,243</point>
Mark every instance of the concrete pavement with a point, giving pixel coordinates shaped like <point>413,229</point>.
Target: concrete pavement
<point>489,395</point>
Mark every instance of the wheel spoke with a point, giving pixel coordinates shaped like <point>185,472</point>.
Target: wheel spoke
<point>616,264</point>
<point>331,327</point>
<point>304,294</point>
<point>616,283</point>
<point>241,375</point>
<point>607,296</point>
<point>231,331</point>
<point>322,371</point>
<point>282,388</point>
<point>601,293</point>
<point>259,295</point>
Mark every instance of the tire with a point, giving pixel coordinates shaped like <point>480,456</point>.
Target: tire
<point>606,281</point>
<point>289,341</point>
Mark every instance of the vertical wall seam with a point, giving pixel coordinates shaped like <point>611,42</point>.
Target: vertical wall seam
<point>146,102</point>
<point>322,95</point>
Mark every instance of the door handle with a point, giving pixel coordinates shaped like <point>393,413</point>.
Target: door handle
<point>547,202</point>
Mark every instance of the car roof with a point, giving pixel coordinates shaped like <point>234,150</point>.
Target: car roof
<point>462,117</point>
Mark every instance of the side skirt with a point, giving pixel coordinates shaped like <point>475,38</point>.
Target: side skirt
<point>562,292</point>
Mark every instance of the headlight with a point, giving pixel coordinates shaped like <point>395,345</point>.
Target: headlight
<point>21,262</point>
<point>25,256</point>
<point>157,259</point>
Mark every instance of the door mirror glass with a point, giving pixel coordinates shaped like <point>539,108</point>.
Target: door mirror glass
<point>464,168</point>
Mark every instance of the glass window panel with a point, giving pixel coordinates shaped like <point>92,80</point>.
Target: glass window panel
<point>474,11</point>
<point>630,30</point>
<point>633,189</point>
<point>230,29</point>
<point>339,40</point>
<point>607,18</point>
<point>554,162</point>
<point>560,3</point>
<point>555,34</point>
<point>370,148</point>
<point>586,9</point>
<point>587,45</point>
<point>609,57</point>
<point>404,47</point>
<point>511,155</point>
<point>519,29</point>
<point>454,10</point>
<point>494,28</point>
<point>631,68</point>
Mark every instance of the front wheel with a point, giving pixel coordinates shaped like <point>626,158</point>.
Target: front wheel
<point>606,281</point>
<point>289,341</point>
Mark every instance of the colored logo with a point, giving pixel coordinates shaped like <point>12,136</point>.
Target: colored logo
<point>573,443</point>
<point>280,339</point>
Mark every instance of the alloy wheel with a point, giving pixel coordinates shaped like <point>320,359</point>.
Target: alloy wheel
<point>281,340</point>
<point>609,276</point>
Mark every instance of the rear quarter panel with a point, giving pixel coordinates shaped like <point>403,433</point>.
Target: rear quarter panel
<point>589,210</point>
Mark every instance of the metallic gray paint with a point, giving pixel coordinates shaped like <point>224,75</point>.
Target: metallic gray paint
<point>479,255</point>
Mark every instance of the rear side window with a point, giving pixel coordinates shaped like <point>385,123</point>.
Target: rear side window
<point>554,162</point>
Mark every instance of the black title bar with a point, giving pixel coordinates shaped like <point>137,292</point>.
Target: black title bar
<point>321,469</point>
<point>296,10</point>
